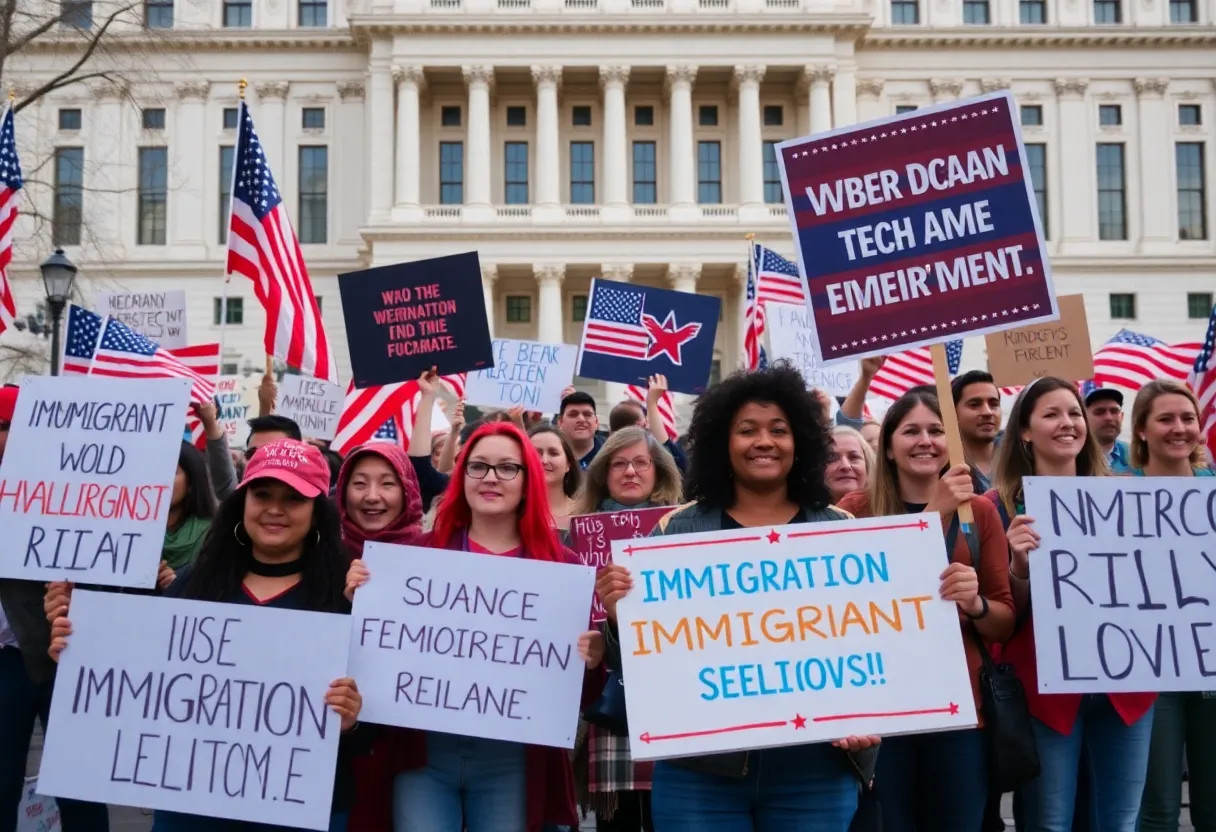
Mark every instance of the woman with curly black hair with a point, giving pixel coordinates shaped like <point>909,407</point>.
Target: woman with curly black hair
<point>759,447</point>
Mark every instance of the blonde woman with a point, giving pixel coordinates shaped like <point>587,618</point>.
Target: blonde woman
<point>850,462</point>
<point>631,470</point>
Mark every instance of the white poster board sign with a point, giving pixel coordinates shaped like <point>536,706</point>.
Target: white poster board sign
<point>312,403</point>
<point>37,812</point>
<point>761,637</point>
<point>526,374</point>
<point>791,335</point>
<point>470,644</point>
<point>1124,583</point>
<point>158,316</point>
<point>87,478</point>
<point>237,403</point>
<point>198,707</point>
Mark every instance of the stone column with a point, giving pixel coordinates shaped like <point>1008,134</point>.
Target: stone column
<point>614,392</point>
<point>818,80</point>
<point>751,141</point>
<point>616,140</point>
<point>844,96</point>
<point>549,277</point>
<point>547,205</point>
<point>945,89</point>
<point>410,82</point>
<point>272,105</point>
<point>187,209</point>
<point>1079,214</point>
<point>349,132</point>
<point>869,99</point>
<point>489,276</point>
<point>682,148</point>
<point>379,113</point>
<point>1158,230</point>
<point>102,208</point>
<point>478,207</point>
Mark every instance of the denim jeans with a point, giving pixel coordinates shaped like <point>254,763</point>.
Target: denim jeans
<point>1182,723</point>
<point>801,788</point>
<point>483,782</point>
<point>1116,756</point>
<point>933,782</point>
<point>178,822</point>
<point>21,702</point>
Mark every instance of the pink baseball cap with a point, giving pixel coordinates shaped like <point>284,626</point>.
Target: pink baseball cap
<point>8,403</point>
<point>296,464</point>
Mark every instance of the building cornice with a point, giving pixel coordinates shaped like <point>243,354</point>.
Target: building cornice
<point>976,37</point>
<point>186,40</point>
<point>366,27</point>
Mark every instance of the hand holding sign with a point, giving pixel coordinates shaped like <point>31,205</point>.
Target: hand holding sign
<point>954,488</point>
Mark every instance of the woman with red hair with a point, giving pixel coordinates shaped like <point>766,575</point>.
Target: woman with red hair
<point>497,504</point>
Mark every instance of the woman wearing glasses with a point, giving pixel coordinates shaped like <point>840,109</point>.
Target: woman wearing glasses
<point>496,505</point>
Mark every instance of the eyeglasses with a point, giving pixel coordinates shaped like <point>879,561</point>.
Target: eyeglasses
<point>641,465</point>
<point>503,471</point>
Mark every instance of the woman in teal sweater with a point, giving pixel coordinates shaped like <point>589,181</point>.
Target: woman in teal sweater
<point>191,509</point>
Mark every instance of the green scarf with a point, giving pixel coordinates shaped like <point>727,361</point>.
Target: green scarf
<point>609,504</point>
<point>183,543</point>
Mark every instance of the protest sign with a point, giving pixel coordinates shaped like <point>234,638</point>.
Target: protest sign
<point>1124,582</point>
<point>917,229</point>
<point>236,399</point>
<point>312,403</point>
<point>632,332</point>
<point>402,320</point>
<point>791,335</point>
<point>87,478</point>
<point>591,537</point>
<point>37,813</point>
<point>197,707</point>
<point>469,644</point>
<point>1057,348</point>
<point>525,374</point>
<point>158,316</point>
<point>760,637</point>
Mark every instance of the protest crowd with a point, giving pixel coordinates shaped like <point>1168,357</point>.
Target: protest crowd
<point>525,663</point>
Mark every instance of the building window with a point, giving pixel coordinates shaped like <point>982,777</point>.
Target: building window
<point>449,116</point>
<point>1183,11</point>
<point>1032,115</point>
<point>1031,12</point>
<point>153,195</point>
<point>69,119</point>
<point>1112,193</point>
<point>320,305</point>
<point>582,173</point>
<point>1110,115</point>
<point>578,308</point>
<point>238,14</point>
<point>580,115</point>
<point>517,116</point>
<point>451,173</point>
<point>1123,305</point>
<point>975,12</point>
<point>774,115</point>
<point>772,175</point>
<point>314,193</point>
<point>519,309</point>
<point>313,118</point>
<point>709,172</point>
<point>515,159</point>
<point>225,206</point>
<point>902,109</point>
<point>77,14</point>
<point>235,308</point>
<point>1199,305</point>
<point>905,12</point>
<point>645,174</point>
<point>153,118</point>
<point>1189,115</point>
<point>643,116</point>
<point>1192,191</point>
<point>69,196</point>
<point>1036,163</point>
<point>231,116</point>
<point>1108,11</point>
<point>158,14</point>
<point>707,115</point>
<point>314,13</point>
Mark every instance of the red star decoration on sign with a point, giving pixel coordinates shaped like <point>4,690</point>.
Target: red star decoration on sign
<point>953,709</point>
<point>667,337</point>
<point>799,721</point>
<point>773,536</point>
<point>923,525</point>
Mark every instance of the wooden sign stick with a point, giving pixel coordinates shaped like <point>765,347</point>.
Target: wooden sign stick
<point>954,440</point>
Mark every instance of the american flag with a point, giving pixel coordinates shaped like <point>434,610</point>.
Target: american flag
<point>387,432</point>
<point>1132,360</point>
<point>667,410</point>
<point>912,368</point>
<point>1203,381</point>
<point>770,279</point>
<point>124,353</point>
<point>10,183</point>
<point>80,345</point>
<point>614,323</point>
<point>367,413</point>
<point>263,247</point>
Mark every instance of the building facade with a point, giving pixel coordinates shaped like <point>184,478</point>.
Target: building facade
<point>633,139</point>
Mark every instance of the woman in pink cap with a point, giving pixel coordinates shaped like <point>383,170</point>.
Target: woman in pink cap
<point>276,542</point>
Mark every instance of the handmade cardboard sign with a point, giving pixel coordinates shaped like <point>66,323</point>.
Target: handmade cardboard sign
<point>314,405</point>
<point>1056,348</point>
<point>525,374</point>
<point>791,335</point>
<point>591,537</point>
<point>236,403</point>
<point>158,316</point>
<point>917,229</point>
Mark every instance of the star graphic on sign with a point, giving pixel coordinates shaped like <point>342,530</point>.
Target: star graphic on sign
<point>799,721</point>
<point>953,709</point>
<point>668,337</point>
<point>773,536</point>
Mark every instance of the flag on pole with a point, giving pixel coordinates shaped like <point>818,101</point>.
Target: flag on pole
<point>10,184</point>
<point>124,353</point>
<point>1203,382</point>
<point>667,410</point>
<point>912,368</point>
<point>770,279</point>
<point>1132,360</point>
<point>263,247</point>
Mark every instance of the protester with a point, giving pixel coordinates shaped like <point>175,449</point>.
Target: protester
<point>576,418</point>
<point>563,477</point>
<point>938,782</point>
<point>755,461</point>
<point>978,404</point>
<point>1104,413</point>
<point>219,455</point>
<point>870,431</point>
<point>191,509</point>
<point>631,470</point>
<point>1167,442</point>
<point>270,428</point>
<point>284,551</point>
<point>431,482</point>
<point>1047,435</point>
<point>850,463</point>
<point>446,444</point>
<point>378,497</point>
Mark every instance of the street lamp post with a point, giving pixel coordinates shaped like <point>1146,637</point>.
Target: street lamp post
<point>58,275</point>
